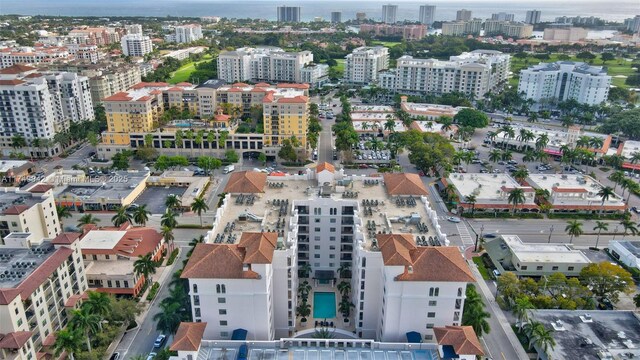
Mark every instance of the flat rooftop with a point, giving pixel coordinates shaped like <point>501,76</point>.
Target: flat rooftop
<point>557,138</point>
<point>398,126</point>
<point>109,187</point>
<point>101,240</point>
<point>12,200</point>
<point>372,108</point>
<point>6,165</point>
<point>632,246</point>
<point>109,267</point>
<point>372,116</point>
<point>629,148</point>
<point>320,353</point>
<point>430,109</point>
<point>577,189</point>
<point>488,188</point>
<point>16,264</point>
<point>531,253</point>
<point>606,334</point>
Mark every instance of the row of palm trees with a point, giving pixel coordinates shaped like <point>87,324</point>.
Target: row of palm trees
<point>574,228</point>
<point>537,334</point>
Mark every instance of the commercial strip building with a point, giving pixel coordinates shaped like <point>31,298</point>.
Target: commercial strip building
<point>627,149</point>
<point>476,72</point>
<point>601,334</point>
<point>40,105</point>
<point>373,119</point>
<point>491,192</point>
<point>265,64</point>
<point>136,45</point>
<point>246,274</point>
<point>31,211</point>
<point>549,83</point>
<point>509,253</point>
<point>188,33</point>
<point>408,32</point>
<point>429,112</point>
<point>364,63</point>
<point>109,255</point>
<point>576,193</point>
<point>626,251</point>
<point>41,279</point>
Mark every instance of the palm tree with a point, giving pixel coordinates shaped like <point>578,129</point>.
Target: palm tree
<point>604,194</point>
<point>169,219</point>
<point>529,156</point>
<point>199,206</point>
<point>173,202</point>
<point>573,228</point>
<point>145,266</point>
<point>169,317</point>
<point>63,213</point>
<point>521,309</point>
<point>633,188</point>
<point>141,215</point>
<point>121,217</point>
<point>474,314</point>
<point>85,322</point>
<point>323,333</point>
<point>516,197</point>
<point>67,340</point>
<point>539,336</point>
<point>600,225</point>
<point>542,141</point>
<point>304,288</point>
<point>304,270</point>
<point>471,200</point>
<point>495,155</point>
<point>87,219</point>
<point>617,177</point>
<point>520,174</point>
<point>344,287</point>
<point>303,310</point>
<point>345,306</point>
<point>345,270</point>
<point>629,227</point>
<point>98,303</point>
<point>506,155</point>
<point>635,158</point>
<point>167,234</point>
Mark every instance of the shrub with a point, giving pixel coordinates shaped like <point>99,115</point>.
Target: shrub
<point>153,291</point>
<point>173,256</point>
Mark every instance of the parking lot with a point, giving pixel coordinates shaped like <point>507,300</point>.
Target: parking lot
<point>371,150</point>
<point>155,197</point>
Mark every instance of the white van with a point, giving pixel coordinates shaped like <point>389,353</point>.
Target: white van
<point>229,168</point>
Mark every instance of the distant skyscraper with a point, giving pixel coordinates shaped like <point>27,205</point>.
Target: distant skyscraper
<point>360,16</point>
<point>389,13</point>
<point>463,15</point>
<point>427,14</point>
<point>288,13</point>
<point>533,17</point>
<point>336,17</point>
<point>502,16</point>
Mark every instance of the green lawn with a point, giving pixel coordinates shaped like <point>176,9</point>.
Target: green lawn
<point>388,44</point>
<point>183,73</point>
<point>617,67</point>
<point>340,66</point>
<point>481,268</point>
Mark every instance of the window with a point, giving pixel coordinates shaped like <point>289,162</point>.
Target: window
<point>223,322</point>
<point>554,268</point>
<point>117,283</point>
<point>224,334</point>
<point>316,229</point>
<point>434,291</point>
<point>221,289</point>
<point>431,314</point>
<point>126,283</point>
<point>429,326</point>
<point>456,315</point>
<point>332,220</point>
<point>316,247</point>
<point>195,288</point>
<point>459,292</point>
<point>196,300</point>
<point>433,303</point>
<point>197,312</point>
<point>570,268</point>
<point>316,220</point>
<point>539,267</point>
<point>109,283</point>
<point>316,256</point>
<point>332,229</point>
<point>222,300</point>
<point>332,238</point>
<point>222,311</point>
<point>523,267</point>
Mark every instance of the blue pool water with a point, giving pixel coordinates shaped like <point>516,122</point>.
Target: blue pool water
<point>182,124</point>
<point>324,305</point>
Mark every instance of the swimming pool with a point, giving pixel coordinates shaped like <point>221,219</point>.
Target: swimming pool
<point>324,305</point>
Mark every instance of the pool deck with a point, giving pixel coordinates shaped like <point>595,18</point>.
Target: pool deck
<point>338,321</point>
<point>331,295</point>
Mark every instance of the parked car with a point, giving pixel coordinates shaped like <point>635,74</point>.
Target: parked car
<point>115,356</point>
<point>453,219</point>
<point>159,340</point>
<point>151,356</point>
<point>496,273</point>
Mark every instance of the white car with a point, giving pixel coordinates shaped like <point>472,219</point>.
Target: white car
<point>453,219</point>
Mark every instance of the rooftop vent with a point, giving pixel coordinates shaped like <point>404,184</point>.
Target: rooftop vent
<point>558,325</point>
<point>586,318</point>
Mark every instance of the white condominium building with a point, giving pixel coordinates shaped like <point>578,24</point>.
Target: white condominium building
<point>41,279</point>
<point>389,13</point>
<point>39,105</point>
<point>13,56</point>
<point>32,211</point>
<point>136,45</point>
<point>133,29</point>
<point>263,64</point>
<point>188,33</point>
<point>507,28</point>
<point>364,63</point>
<point>427,14</point>
<point>476,72</point>
<point>564,80</point>
<point>276,238</point>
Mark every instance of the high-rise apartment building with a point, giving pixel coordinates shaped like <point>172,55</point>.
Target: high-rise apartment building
<point>336,17</point>
<point>476,72</point>
<point>285,115</point>
<point>427,14</point>
<point>85,52</point>
<point>188,33</point>
<point>473,27</point>
<point>39,105</point>
<point>507,28</point>
<point>289,14</point>
<point>136,45</point>
<point>408,32</point>
<point>455,28</point>
<point>550,83</point>
<point>133,29</point>
<point>32,211</point>
<point>95,35</point>
<point>41,281</point>
<point>389,13</point>
<point>364,63</point>
<point>502,16</point>
<point>263,64</point>
<point>533,17</point>
<point>633,24</point>
<point>564,33</point>
<point>463,15</point>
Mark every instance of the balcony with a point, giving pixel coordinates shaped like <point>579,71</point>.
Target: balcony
<point>347,257</point>
<point>347,220</point>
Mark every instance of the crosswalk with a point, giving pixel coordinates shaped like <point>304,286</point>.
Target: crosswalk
<point>465,236</point>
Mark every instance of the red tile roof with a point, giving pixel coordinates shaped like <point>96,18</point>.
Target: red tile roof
<point>49,340</point>
<point>325,166</point>
<point>121,96</point>
<point>16,210</point>
<point>41,188</point>
<point>293,86</point>
<point>262,84</point>
<point>258,247</point>
<point>404,184</point>
<point>568,190</point>
<point>135,242</point>
<point>8,295</point>
<point>66,238</point>
<point>300,99</point>
<point>239,84</point>
<point>42,272</point>
<point>188,337</point>
<point>15,340</point>
<point>246,182</point>
<point>143,84</point>
<point>12,82</point>
<point>16,69</point>
<point>184,83</point>
<point>217,261</point>
<point>462,338</point>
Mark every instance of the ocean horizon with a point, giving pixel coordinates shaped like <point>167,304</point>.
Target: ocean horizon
<point>266,9</point>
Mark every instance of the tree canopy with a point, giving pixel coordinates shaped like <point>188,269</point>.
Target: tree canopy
<point>472,118</point>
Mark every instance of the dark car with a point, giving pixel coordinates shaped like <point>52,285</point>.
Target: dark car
<point>115,356</point>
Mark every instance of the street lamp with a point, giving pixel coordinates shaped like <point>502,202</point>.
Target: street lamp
<point>550,232</point>
<point>615,232</point>
<point>481,230</point>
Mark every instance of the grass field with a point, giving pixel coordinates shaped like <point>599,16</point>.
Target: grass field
<point>617,67</point>
<point>388,44</point>
<point>183,73</point>
<point>340,66</point>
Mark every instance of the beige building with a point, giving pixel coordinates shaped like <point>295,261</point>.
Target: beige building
<point>32,211</point>
<point>40,279</point>
<point>453,28</point>
<point>565,34</point>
